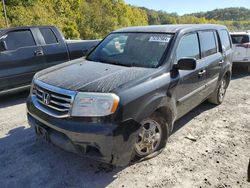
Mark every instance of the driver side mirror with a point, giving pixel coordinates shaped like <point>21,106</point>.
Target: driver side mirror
<point>3,46</point>
<point>186,64</point>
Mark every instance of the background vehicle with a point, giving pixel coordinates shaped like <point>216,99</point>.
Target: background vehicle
<point>26,50</point>
<point>241,43</point>
<point>137,82</point>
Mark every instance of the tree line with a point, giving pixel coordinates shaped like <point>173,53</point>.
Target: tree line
<point>89,19</point>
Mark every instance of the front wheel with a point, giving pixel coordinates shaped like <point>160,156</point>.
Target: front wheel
<point>218,96</point>
<point>152,137</point>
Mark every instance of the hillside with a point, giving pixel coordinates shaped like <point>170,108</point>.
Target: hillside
<point>234,14</point>
<point>88,19</point>
<point>236,19</point>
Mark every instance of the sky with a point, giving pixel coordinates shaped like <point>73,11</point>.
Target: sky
<point>188,6</point>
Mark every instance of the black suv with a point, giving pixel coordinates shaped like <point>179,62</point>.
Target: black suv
<point>120,103</point>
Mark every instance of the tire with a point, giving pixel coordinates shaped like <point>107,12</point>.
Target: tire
<point>248,68</point>
<point>152,137</point>
<point>219,94</point>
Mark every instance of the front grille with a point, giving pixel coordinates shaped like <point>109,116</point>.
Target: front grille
<point>54,101</point>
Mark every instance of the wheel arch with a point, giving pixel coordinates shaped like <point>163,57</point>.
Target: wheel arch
<point>227,75</point>
<point>162,105</point>
<point>168,115</point>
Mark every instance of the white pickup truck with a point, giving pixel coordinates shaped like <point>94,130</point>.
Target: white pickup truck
<point>241,42</point>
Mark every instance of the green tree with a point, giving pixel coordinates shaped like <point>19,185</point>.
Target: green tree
<point>2,22</point>
<point>89,19</point>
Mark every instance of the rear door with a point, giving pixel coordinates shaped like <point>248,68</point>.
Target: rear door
<point>54,47</point>
<point>212,58</point>
<point>226,47</point>
<point>191,86</point>
<point>21,60</point>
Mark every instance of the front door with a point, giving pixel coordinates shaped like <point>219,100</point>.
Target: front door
<point>21,59</point>
<point>191,86</point>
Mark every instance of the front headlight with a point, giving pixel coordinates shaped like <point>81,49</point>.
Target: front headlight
<point>94,104</point>
<point>33,88</point>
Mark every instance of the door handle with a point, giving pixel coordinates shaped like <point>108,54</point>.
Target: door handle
<point>221,62</point>
<point>38,53</point>
<point>201,73</point>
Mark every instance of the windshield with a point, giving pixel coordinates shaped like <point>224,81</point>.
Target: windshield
<point>239,39</point>
<point>132,49</point>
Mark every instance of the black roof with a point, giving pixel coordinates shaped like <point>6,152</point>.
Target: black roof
<point>24,27</point>
<point>171,28</point>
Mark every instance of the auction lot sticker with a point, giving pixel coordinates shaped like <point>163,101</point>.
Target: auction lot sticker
<point>159,39</point>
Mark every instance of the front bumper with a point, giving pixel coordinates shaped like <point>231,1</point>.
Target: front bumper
<point>104,141</point>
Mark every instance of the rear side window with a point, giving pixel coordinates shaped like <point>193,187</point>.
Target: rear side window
<point>225,40</point>
<point>188,47</point>
<point>48,36</point>
<point>240,39</point>
<point>208,43</point>
<point>19,39</point>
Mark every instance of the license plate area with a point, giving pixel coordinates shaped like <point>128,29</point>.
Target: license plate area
<point>42,133</point>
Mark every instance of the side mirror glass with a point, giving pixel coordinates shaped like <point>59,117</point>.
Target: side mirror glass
<point>186,64</point>
<point>3,46</point>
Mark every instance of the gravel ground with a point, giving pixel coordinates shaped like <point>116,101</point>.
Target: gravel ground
<point>209,148</point>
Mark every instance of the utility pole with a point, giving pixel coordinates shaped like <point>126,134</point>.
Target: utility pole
<point>5,14</point>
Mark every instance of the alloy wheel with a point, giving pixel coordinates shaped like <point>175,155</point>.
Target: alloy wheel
<point>149,138</point>
<point>222,90</point>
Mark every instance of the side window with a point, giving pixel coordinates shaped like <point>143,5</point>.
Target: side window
<point>240,39</point>
<point>48,36</point>
<point>18,39</point>
<point>224,36</point>
<point>188,47</point>
<point>208,43</point>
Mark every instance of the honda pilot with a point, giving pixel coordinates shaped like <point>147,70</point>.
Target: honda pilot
<point>120,103</point>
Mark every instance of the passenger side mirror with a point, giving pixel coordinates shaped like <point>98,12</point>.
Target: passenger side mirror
<point>186,64</point>
<point>3,46</point>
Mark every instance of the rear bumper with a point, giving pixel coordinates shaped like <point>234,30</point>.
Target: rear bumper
<point>241,63</point>
<point>108,142</point>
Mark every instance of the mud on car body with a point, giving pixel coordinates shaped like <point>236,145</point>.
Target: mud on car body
<point>120,103</point>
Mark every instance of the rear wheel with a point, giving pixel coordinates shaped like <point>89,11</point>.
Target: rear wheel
<point>152,137</point>
<point>218,96</point>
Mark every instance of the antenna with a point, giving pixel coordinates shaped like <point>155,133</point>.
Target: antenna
<point>5,14</point>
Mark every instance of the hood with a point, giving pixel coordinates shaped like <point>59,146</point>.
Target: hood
<point>88,76</point>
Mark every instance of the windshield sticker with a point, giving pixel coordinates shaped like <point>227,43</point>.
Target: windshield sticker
<point>159,39</point>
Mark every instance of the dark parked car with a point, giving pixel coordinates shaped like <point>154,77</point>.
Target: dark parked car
<point>120,104</point>
<point>26,50</point>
